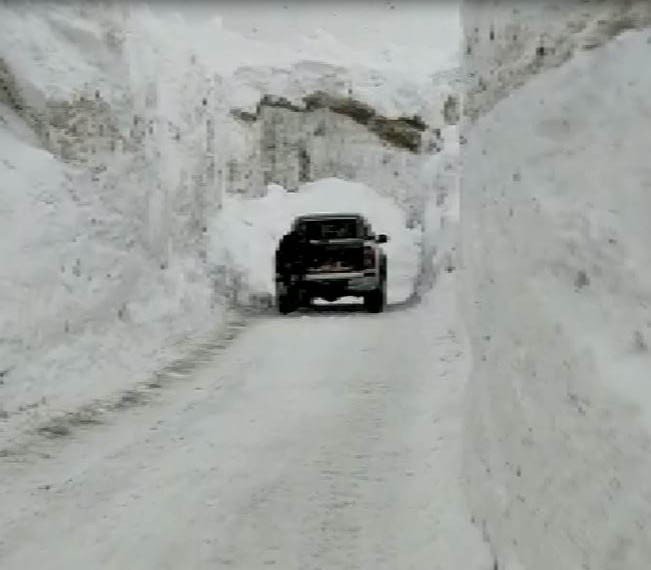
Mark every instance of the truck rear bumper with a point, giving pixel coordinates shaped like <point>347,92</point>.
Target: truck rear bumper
<point>332,284</point>
<point>335,276</point>
<point>342,283</point>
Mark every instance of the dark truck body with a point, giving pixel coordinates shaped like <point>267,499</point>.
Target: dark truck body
<point>330,256</point>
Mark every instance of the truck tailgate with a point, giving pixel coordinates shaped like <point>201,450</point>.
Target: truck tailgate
<point>335,255</point>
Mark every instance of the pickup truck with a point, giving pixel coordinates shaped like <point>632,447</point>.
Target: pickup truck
<point>330,256</point>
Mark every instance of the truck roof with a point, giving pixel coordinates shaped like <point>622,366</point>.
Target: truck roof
<point>328,216</point>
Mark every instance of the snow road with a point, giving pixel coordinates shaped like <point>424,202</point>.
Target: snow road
<point>324,440</point>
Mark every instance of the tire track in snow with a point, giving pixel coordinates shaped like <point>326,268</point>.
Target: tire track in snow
<point>200,353</point>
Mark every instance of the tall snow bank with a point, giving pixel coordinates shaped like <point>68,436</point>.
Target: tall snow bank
<point>106,168</point>
<point>557,294</point>
<point>441,214</point>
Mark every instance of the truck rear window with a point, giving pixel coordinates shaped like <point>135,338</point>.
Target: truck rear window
<point>331,229</point>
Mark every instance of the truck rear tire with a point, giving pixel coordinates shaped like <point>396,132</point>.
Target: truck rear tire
<point>285,304</point>
<point>286,299</point>
<point>375,301</point>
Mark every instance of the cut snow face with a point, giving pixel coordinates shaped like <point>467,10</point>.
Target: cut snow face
<point>382,35</point>
<point>504,47</point>
<point>555,221</point>
<point>244,236</point>
<point>83,307</point>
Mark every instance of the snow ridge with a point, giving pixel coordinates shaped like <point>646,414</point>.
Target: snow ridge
<point>555,292</point>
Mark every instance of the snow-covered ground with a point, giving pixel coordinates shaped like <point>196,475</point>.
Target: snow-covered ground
<point>556,292</point>
<point>145,422</point>
<point>70,369</point>
<point>115,142</point>
<point>322,440</point>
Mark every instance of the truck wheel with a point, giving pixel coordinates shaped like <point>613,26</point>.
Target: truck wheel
<point>299,296</point>
<point>304,300</point>
<point>285,304</point>
<point>286,300</point>
<point>375,301</point>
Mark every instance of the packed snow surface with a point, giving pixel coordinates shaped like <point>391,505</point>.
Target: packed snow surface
<point>327,439</point>
<point>557,289</point>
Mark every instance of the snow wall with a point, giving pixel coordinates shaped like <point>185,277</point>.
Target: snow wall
<point>124,133</point>
<point>556,286</point>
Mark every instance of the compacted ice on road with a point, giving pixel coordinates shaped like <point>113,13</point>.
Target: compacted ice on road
<point>328,439</point>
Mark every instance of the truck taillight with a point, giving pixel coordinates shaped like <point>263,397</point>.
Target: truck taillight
<point>369,258</point>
